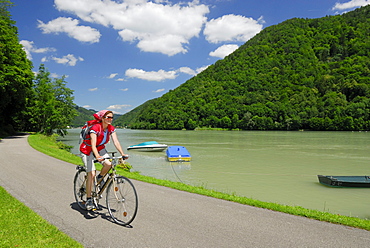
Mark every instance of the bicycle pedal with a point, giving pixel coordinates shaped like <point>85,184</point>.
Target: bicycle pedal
<point>93,211</point>
<point>97,207</point>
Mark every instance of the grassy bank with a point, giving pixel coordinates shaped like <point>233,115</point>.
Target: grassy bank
<point>21,227</point>
<point>48,146</point>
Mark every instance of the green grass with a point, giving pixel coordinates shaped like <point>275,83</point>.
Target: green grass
<point>21,227</point>
<point>48,146</point>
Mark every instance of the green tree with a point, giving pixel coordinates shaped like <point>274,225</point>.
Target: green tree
<point>53,108</point>
<point>65,110</point>
<point>15,74</point>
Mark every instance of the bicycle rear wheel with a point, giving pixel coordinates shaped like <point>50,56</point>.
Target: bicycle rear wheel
<point>122,201</point>
<point>79,183</point>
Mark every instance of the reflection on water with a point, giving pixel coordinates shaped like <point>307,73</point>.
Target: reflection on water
<point>279,167</point>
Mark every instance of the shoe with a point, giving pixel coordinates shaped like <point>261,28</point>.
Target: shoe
<point>101,184</point>
<point>89,205</point>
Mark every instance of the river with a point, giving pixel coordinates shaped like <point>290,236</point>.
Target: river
<point>271,166</point>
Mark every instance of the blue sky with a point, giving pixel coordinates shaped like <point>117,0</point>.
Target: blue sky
<point>118,54</point>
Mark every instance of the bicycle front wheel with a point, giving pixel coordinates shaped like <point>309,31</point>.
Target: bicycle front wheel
<point>122,201</point>
<point>79,183</point>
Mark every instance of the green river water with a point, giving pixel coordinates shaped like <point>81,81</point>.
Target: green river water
<point>280,167</point>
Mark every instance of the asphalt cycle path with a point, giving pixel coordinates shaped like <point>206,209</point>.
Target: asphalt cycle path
<point>166,217</point>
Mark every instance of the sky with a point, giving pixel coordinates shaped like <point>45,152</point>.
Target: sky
<point>118,54</point>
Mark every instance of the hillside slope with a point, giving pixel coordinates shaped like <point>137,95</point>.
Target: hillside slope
<point>83,115</point>
<point>300,74</point>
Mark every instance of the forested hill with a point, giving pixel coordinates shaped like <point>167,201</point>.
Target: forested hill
<point>300,74</point>
<point>84,115</point>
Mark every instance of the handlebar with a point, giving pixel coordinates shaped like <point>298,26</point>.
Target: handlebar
<point>123,157</point>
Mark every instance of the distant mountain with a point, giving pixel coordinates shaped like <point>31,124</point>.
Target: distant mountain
<point>86,115</point>
<point>300,74</point>
<point>83,116</point>
<point>128,118</point>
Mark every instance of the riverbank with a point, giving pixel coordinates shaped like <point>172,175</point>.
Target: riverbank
<point>49,146</point>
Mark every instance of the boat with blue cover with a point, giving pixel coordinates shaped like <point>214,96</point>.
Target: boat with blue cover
<point>345,181</point>
<point>149,146</point>
<point>178,154</point>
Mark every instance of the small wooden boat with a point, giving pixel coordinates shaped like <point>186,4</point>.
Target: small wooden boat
<point>149,146</point>
<point>178,154</point>
<point>345,181</point>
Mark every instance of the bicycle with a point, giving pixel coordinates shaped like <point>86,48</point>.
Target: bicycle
<point>121,197</point>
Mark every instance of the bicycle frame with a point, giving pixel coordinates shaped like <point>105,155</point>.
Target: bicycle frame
<point>110,176</point>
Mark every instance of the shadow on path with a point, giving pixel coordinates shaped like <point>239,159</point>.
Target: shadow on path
<point>15,136</point>
<point>94,214</point>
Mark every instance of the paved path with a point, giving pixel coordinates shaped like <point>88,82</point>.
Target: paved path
<point>166,217</point>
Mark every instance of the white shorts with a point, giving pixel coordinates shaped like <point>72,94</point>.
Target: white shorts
<point>89,160</point>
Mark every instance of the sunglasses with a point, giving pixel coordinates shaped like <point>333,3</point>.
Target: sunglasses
<point>109,117</point>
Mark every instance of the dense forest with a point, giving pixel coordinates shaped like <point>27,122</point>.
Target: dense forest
<point>83,115</point>
<point>29,102</point>
<point>300,74</point>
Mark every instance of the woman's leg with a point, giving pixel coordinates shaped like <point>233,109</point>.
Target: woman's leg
<point>90,169</point>
<point>89,183</point>
<point>106,167</point>
<point>106,164</point>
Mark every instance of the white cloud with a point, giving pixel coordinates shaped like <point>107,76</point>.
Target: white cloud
<point>126,89</point>
<point>162,75</point>
<point>69,59</point>
<point>86,106</point>
<point>232,28</point>
<point>159,90</point>
<point>351,4</point>
<point>199,70</point>
<point>54,75</point>
<point>29,47</point>
<point>93,89</point>
<point>120,79</point>
<point>113,75</point>
<point>71,28</point>
<point>168,44</point>
<point>158,76</point>
<point>115,107</point>
<point>223,51</point>
<point>187,70</point>
<point>166,28</point>
<point>192,72</point>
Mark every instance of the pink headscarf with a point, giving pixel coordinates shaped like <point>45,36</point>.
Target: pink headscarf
<point>99,115</point>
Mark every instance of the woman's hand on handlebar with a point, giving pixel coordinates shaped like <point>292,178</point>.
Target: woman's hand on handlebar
<point>100,158</point>
<point>125,156</point>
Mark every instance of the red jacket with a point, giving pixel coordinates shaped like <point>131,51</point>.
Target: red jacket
<point>85,146</point>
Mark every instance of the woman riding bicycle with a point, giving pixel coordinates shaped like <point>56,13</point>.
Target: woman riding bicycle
<point>94,148</point>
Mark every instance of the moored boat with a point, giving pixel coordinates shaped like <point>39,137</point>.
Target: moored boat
<point>345,181</point>
<point>149,146</point>
<point>178,154</point>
